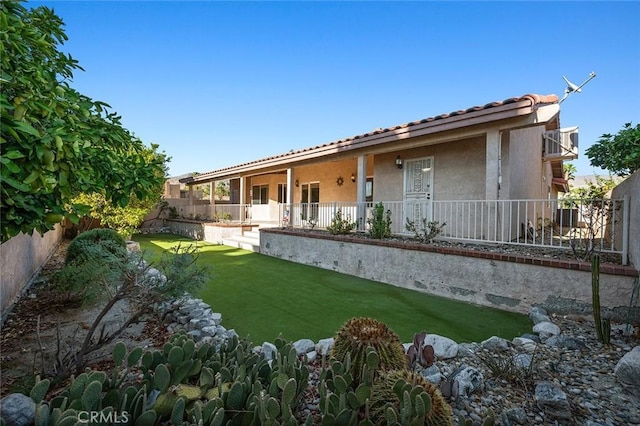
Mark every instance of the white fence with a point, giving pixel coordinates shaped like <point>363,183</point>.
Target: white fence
<point>602,224</point>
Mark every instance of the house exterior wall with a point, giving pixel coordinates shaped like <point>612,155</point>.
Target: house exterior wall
<point>525,160</point>
<point>327,175</point>
<point>458,171</point>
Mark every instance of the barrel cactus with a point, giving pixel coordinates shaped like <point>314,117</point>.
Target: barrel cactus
<point>357,334</point>
<point>408,398</point>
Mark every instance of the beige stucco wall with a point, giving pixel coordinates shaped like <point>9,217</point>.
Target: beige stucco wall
<point>327,175</point>
<point>20,259</point>
<point>458,171</point>
<point>631,188</point>
<point>525,159</point>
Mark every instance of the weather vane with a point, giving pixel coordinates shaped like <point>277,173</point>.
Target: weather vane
<point>575,88</point>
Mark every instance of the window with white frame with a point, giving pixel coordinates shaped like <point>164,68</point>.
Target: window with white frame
<point>260,194</point>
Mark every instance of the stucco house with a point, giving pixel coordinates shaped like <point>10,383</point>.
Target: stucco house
<point>498,152</point>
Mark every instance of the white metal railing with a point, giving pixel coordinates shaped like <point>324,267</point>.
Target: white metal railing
<point>217,212</point>
<point>601,223</point>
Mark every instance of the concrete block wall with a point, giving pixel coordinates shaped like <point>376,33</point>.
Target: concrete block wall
<point>21,258</point>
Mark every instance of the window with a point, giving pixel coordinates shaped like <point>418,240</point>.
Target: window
<point>368,190</point>
<point>282,193</point>
<point>260,194</point>
<point>311,196</point>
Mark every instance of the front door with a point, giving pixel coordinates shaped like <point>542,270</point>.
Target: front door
<point>418,190</point>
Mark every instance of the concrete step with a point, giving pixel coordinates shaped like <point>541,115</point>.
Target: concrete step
<point>252,234</point>
<point>245,243</point>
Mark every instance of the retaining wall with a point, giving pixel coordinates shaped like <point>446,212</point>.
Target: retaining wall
<point>209,232</point>
<point>503,281</point>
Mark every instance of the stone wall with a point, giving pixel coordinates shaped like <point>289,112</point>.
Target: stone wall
<point>482,278</point>
<point>21,258</point>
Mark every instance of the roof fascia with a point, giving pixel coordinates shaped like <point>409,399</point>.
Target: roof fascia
<point>520,109</point>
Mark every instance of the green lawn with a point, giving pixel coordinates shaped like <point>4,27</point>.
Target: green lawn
<point>261,297</point>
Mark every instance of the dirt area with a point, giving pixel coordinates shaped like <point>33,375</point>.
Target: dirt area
<point>47,324</point>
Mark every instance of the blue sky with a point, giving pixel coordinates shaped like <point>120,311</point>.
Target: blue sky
<point>221,83</point>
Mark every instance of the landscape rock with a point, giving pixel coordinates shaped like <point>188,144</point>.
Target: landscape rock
<point>209,330</point>
<point>432,374</point>
<point>523,361</point>
<point>530,336</point>
<point>628,368</point>
<point>17,409</point>
<point>323,347</point>
<point>304,346</point>
<point>269,350</point>
<point>565,342</point>
<point>524,345</point>
<point>466,349</point>
<point>443,347</point>
<point>516,416</point>
<point>495,344</point>
<point>552,400</point>
<point>546,330</point>
<point>470,380</point>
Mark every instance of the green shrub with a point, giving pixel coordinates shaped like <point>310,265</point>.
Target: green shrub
<point>340,225</point>
<point>427,232</point>
<point>110,241</point>
<point>380,223</point>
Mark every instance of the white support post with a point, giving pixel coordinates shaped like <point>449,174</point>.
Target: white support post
<point>285,216</point>
<point>361,182</point>
<point>492,173</point>
<point>243,210</point>
<point>212,199</point>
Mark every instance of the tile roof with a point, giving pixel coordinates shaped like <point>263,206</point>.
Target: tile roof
<point>533,98</point>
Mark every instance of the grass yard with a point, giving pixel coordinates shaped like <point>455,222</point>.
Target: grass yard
<point>261,297</point>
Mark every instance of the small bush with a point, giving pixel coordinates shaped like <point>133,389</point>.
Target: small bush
<point>93,258</point>
<point>221,216</point>
<point>427,232</point>
<point>111,242</point>
<point>340,225</point>
<point>380,223</point>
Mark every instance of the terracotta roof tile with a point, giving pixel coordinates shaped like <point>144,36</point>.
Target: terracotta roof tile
<point>533,98</point>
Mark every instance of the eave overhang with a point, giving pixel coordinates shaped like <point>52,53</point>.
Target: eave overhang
<point>525,111</point>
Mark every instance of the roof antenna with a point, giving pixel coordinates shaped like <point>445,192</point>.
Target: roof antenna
<point>574,88</point>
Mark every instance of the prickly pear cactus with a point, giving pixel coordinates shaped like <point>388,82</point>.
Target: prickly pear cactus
<point>358,334</point>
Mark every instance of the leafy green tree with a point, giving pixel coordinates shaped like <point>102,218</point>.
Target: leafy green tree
<point>569,170</point>
<point>57,143</point>
<point>222,190</point>
<point>619,153</point>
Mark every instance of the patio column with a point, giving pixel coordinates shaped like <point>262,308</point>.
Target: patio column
<point>212,199</point>
<point>361,182</point>
<point>492,167</point>
<point>492,172</point>
<point>286,210</point>
<point>191,208</point>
